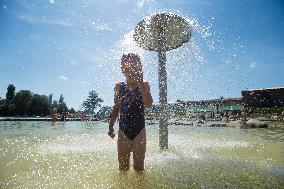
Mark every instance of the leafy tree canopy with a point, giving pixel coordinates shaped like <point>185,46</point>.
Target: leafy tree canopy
<point>10,92</point>
<point>25,103</point>
<point>92,102</point>
<point>23,100</point>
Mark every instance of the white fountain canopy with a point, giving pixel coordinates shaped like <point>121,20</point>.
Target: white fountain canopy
<point>171,29</point>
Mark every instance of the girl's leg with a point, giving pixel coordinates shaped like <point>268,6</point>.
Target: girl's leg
<point>139,149</point>
<point>123,149</point>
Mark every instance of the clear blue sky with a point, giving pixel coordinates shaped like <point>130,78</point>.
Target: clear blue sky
<point>72,47</point>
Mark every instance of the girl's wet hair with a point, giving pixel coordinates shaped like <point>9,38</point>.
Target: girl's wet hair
<point>130,56</point>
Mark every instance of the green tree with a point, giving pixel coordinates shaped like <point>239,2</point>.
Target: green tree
<point>2,101</point>
<point>92,102</point>
<point>45,105</point>
<point>50,99</point>
<point>104,111</point>
<point>23,100</point>
<point>62,105</point>
<point>61,99</point>
<point>39,105</point>
<point>8,108</point>
<point>35,105</point>
<point>72,111</point>
<point>55,103</point>
<point>10,95</point>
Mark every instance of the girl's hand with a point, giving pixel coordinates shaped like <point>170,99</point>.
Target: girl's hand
<point>137,74</point>
<point>140,77</point>
<point>111,133</point>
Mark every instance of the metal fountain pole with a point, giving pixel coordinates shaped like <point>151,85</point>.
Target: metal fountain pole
<point>163,110</point>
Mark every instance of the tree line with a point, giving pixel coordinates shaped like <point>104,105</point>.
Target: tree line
<point>26,103</point>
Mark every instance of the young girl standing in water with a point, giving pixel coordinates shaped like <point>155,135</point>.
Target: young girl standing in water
<point>130,99</point>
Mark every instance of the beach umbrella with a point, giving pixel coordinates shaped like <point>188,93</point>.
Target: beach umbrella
<point>233,108</point>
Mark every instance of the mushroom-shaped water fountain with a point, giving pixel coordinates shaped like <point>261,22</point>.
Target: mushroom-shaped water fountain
<point>162,32</point>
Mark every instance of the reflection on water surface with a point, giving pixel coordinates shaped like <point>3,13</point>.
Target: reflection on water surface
<point>80,155</point>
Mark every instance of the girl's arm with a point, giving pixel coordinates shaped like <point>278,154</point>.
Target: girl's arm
<point>146,94</point>
<point>115,111</point>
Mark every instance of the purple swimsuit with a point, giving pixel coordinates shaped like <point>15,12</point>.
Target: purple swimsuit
<point>132,116</point>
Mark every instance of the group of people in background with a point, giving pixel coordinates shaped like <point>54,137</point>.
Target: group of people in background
<point>53,114</point>
<point>63,116</point>
<point>275,116</point>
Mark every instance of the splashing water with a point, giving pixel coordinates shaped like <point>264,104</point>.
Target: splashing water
<point>193,66</point>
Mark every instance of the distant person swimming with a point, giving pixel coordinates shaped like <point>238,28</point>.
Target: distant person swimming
<point>64,115</point>
<point>130,99</point>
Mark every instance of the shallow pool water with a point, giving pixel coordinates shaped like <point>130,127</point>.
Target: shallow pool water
<point>81,155</point>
